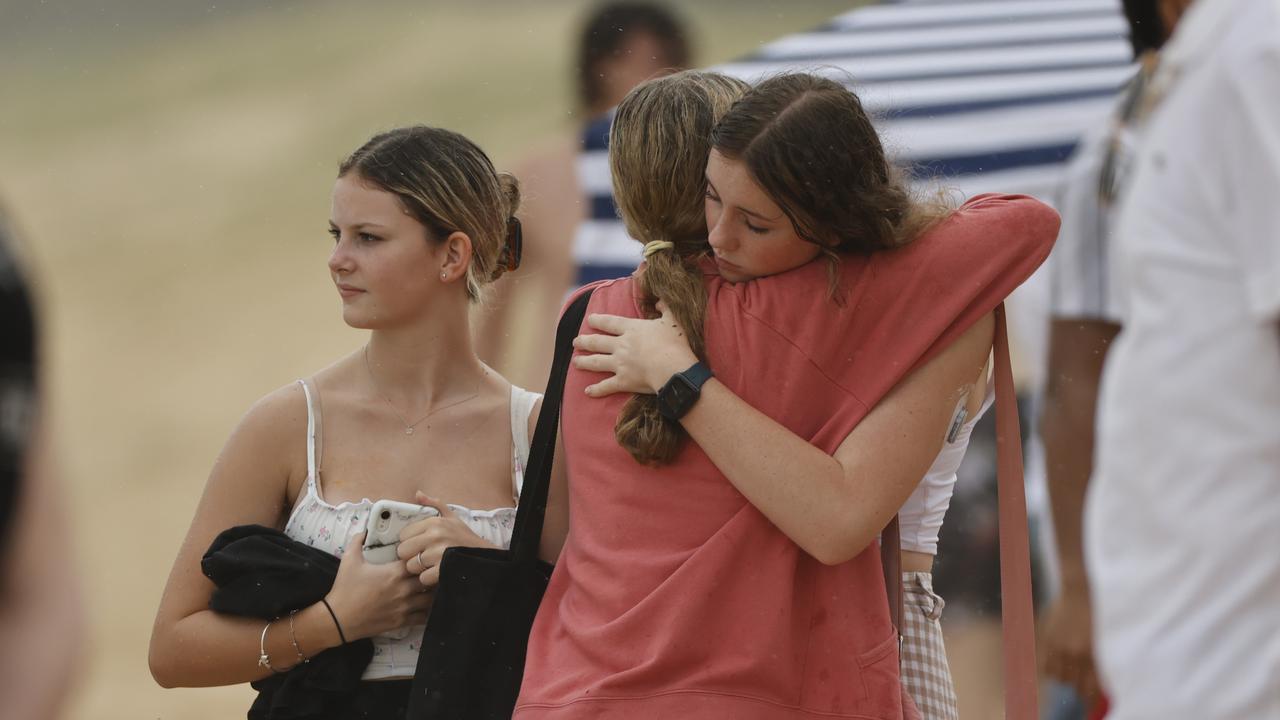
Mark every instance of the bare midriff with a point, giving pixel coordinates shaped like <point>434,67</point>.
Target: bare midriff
<point>916,561</point>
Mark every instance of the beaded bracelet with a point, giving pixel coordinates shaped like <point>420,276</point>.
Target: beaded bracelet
<point>294,639</point>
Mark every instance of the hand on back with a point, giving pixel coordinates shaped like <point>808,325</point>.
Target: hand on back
<point>642,355</point>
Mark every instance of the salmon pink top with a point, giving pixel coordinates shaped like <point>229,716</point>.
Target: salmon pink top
<point>674,596</point>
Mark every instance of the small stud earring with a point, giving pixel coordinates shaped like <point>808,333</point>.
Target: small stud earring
<point>444,276</point>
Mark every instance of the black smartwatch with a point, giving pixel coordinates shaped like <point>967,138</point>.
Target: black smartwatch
<point>683,390</point>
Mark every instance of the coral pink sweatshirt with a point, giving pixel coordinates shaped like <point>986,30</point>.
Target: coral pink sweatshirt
<point>674,596</point>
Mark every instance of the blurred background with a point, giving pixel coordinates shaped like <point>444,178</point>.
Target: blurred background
<point>168,164</point>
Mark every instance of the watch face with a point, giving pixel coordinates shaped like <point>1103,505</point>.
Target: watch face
<point>676,397</point>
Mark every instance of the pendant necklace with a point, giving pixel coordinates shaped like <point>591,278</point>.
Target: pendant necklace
<point>408,426</point>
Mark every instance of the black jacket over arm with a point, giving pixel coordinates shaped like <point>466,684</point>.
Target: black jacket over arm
<point>261,572</point>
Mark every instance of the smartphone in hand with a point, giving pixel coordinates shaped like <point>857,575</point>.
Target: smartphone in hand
<point>386,519</point>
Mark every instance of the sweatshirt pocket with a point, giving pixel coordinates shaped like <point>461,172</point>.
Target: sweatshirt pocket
<point>878,671</point>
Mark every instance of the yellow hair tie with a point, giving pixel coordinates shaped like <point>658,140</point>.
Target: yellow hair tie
<point>657,246</point>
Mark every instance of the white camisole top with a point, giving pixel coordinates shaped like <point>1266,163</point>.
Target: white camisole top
<point>328,527</point>
<point>920,518</point>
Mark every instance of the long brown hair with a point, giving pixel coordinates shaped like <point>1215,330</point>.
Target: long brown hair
<point>448,184</point>
<point>808,143</point>
<point>658,148</point>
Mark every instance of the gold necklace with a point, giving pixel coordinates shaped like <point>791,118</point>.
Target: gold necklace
<point>409,426</point>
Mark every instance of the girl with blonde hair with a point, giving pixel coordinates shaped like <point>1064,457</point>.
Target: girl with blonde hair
<point>421,223</point>
<point>810,328</point>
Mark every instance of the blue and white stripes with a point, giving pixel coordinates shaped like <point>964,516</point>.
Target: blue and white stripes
<point>602,249</point>
<point>990,95</point>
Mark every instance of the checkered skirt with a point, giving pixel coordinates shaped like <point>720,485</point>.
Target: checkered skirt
<point>925,672</point>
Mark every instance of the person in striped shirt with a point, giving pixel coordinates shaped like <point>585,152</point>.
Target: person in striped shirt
<point>570,224</point>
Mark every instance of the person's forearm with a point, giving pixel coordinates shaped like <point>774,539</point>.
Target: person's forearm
<point>1068,452</point>
<point>834,505</point>
<point>800,489</point>
<point>1077,352</point>
<point>210,649</point>
<point>830,504</point>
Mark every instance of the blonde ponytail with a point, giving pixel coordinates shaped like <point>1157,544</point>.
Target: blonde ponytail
<point>658,148</point>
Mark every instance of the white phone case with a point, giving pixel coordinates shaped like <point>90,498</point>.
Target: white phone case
<point>386,519</point>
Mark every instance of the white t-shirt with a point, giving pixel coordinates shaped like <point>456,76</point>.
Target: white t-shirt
<point>1183,516</point>
<point>1083,281</point>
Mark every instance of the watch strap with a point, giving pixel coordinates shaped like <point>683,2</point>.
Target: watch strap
<point>697,375</point>
<point>682,391</point>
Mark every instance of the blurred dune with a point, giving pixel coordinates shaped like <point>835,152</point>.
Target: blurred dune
<point>170,165</point>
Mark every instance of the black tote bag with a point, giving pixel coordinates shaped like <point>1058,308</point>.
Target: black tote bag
<point>472,657</point>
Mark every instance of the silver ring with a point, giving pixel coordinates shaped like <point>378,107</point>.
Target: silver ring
<point>421,563</point>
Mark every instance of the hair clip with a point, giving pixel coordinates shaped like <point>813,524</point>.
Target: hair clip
<point>515,243</point>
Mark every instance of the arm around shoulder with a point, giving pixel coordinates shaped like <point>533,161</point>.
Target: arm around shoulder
<point>833,507</point>
<point>1016,229</point>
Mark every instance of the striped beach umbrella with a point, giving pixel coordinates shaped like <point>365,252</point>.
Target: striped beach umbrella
<point>978,96</point>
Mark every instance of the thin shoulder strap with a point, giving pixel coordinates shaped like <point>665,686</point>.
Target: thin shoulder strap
<point>522,402</point>
<point>527,534</point>
<point>313,427</point>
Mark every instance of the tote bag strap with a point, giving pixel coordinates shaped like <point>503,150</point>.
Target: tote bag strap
<point>527,534</point>
<point>1020,702</point>
<point>1018,618</point>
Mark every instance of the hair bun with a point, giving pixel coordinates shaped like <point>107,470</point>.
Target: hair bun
<point>510,187</point>
<point>513,241</point>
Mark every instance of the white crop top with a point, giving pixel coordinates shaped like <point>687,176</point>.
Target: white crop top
<point>920,518</point>
<point>328,527</point>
